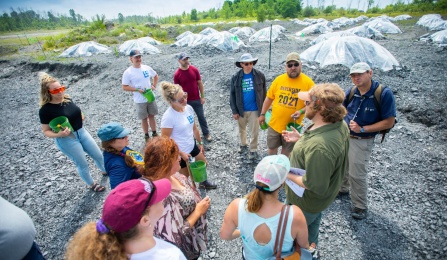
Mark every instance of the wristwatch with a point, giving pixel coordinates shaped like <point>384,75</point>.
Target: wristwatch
<point>362,130</point>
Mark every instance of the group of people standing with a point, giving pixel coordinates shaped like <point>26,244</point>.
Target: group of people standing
<point>331,154</point>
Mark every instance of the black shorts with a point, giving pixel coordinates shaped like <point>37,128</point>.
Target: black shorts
<point>195,151</point>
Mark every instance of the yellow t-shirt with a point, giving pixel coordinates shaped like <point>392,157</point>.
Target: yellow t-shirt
<point>284,92</point>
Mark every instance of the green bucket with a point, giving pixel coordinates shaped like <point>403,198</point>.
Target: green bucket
<point>60,122</point>
<point>149,95</point>
<point>198,171</point>
<point>295,125</point>
<point>268,116</point>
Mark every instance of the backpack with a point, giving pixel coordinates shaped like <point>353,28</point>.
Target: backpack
<point>377,98</point>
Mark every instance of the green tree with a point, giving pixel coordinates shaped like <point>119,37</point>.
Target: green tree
<point>287,9</point>
<point>328,10</point>
<point>226,9</point>
<point>120,18</point>
<point>370,3</point>
<point>308,11</point>
<point>73,15</point>
<point>194,17</point>
<point>261,14</point>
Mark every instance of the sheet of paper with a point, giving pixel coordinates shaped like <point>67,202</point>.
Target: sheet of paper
<point>297,171</point>
<point>297,189</point>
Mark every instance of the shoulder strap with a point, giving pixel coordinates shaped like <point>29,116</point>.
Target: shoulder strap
<point>282,223</point>
<point>378,98</point>
<point>351,95</point>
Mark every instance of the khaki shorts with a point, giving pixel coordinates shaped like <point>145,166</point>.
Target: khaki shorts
<point>275,140</point>
<point>146,109</point>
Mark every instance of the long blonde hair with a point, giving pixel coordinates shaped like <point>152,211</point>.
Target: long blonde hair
<point>45,82</point>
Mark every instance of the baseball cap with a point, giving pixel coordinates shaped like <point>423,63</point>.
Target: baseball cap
<point>272,171</point>
<point>111,131</point>
<point>246,57</point>
<point>126,203</point>
<point>182,56</point>
<point>360,67</point>
<point>293,56</point>
<point>135,53</point>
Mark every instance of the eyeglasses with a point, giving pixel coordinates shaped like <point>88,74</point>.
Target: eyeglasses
<point>180,100</point>
<point>57,90</point>
<point>290,65</point>
<point>153,189</point>
<point>247,63</point>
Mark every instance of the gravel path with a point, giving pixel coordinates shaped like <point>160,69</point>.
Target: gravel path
<point>407,192</point>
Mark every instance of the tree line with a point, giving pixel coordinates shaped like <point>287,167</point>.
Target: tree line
<point>260,10</point>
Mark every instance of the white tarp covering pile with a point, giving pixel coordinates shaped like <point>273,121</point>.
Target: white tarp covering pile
<point>299,22</point>
<point>243,32</point>
<point>142,46</point>
<point>85,49</point>
<point>438,37</point>
<point>433,22</point>
<point>366,32</point>
<point>317,28</point>
<point>326,36</point>
<point>383,25</point>
<point>349,50</point>
<point>183,35</point>
<point>361,18</point>
<point>263,35</point>
<point>343,21</point>
<point>402,17</point>
<point>208,31</point>
<point>150,40</point>
<point>224,41</point>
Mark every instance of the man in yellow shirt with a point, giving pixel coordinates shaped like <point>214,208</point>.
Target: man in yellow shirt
<point>283,97</point>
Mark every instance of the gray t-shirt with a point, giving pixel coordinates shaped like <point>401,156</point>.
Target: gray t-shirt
<point>17,231</point>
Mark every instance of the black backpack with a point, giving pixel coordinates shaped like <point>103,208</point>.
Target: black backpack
<point>377,98</point>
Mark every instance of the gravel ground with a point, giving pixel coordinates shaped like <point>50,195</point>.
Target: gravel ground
<point>407,192</point>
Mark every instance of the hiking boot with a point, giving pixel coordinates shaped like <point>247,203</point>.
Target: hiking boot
<point>359,213</point>
<point>343,195</point>
<point>208,138</point>
<point>253,155</point>
<point>154,134</point>
<point>243,149</point>
<point>207,185</point>
<point>146,138</point>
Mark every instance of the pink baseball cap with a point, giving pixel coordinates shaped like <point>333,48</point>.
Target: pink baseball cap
<point>125,204</point>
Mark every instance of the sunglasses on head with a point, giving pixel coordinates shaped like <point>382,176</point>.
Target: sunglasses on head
<point>153,189</point>
<point>180,100</point>
<point>57,90</point>
<point>247,63</point>
<point>290,65</point>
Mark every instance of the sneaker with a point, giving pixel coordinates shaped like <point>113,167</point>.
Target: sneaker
<point>208,138</point>
<point>343,194</point>
<point>207,185</point>
<point>359,213</point>
<point>146,138</point>
<point>243,149</point>
<point>253,155</point>
<point>154,134</point>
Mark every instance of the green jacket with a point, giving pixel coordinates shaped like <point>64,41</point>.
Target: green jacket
<point>323,153</point>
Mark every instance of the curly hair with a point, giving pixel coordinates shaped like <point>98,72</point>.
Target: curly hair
<point>45,82</point>
<point>159,155</point>
<point>329,96</point>
<point>169,90</point>
<point>88,243</point>
<point>107,146</point>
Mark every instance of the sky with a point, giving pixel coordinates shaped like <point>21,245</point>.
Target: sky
<point>157,8</point>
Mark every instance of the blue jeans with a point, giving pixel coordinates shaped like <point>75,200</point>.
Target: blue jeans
<point>313,221</point>
<point>198,108</point>
<point>34,253</point>
<point>75,149</point>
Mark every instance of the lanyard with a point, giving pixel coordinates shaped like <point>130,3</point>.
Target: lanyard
<point>361,101</point>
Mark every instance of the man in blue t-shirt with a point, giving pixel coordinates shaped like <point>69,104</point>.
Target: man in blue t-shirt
<point>365,120</point>
<point>247,93</point>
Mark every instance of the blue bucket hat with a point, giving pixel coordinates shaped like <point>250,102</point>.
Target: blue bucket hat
<point>111,131</point>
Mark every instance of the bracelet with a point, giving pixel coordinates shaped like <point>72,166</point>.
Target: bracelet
<point>199,142</point>
<point>262,115</point>
<point>202,95</point>
<point>301,111</point>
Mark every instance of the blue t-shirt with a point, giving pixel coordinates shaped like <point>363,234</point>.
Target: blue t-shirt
<point>248,92</point>
<point>367,113</point>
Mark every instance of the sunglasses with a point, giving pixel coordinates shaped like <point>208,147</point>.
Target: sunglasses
<point>247,63</point>
<point>180,100</point>
<point>153,189</point>
<point>57,90</point>
<point>306,103</point>
<point>290,65</point>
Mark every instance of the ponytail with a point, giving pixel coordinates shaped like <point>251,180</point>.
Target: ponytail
<point>106,145</point>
